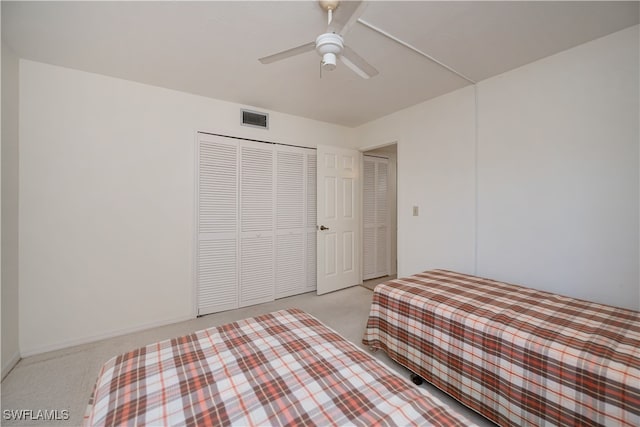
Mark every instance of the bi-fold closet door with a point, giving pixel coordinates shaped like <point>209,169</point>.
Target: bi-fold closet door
<point>295,242</point>
<point>376,221</point>
<point>256,222</point>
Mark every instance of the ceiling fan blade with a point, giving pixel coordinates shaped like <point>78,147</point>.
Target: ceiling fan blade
<point>346,15</point>
<point>288,53</point>
<point>357,64</point>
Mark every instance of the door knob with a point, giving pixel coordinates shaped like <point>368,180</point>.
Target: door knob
<point>322,228</point>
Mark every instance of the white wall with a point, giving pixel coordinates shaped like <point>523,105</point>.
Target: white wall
<point>558,172</point>
<point>436,173</point>
<point>107,200</point>
<point>557,185</point>
<point>10,348</point>
<point>106,176</point>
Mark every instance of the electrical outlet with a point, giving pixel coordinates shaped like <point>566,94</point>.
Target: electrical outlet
<point>415,211</point>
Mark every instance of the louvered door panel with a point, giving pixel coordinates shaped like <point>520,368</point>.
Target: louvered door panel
<point>369,251</point>
<point>375,218</point>
<point>216,257</point>
<point>382,256</point>
<point>217,276</point>
<point>257,270</point>
<point>290,267</point>
<point>369,218</point>
<point>311,221</point>
<point>382,218</point>
<point>256,210</point>
<point>218,189</point>
<point>382,208</point>
<point>369,192</point>
<point>291,220</point>
<point>311,191</point>
<point>311,265</point>
<point>290,189</point>
<point>257,223</point>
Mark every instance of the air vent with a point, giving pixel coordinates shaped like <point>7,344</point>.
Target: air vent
<point>255,119</point>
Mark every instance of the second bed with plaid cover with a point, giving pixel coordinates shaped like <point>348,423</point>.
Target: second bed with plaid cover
<point>282,368</point>
<point>519,356</point>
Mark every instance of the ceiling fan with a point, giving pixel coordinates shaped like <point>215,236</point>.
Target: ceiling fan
<point>330,45</point>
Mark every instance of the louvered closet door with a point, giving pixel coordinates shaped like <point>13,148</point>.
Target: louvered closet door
<point>382,218</point>
<point>311,221</point>
<point>369,218</point>
<point>256,237</point>
<point>216,258</point>
<point>290,222</point>
<point>257,271</point>
<point>375,217</point>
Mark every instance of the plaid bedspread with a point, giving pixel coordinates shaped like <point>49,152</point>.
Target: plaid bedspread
<point>516,355</point>
<point>282,368</point>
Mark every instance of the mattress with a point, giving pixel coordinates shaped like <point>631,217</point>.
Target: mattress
<point>282,368</point>
<point>516,355</point>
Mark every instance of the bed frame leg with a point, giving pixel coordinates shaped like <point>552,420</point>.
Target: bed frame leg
<point>417,379</point>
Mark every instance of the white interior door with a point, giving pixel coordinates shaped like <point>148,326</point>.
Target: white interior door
<point>338,213</point>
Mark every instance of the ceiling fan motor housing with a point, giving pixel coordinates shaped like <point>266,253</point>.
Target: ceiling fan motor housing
<point>329,46</point>
<point>328,5</point>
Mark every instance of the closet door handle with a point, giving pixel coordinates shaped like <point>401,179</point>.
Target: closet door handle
<point>322,228</point>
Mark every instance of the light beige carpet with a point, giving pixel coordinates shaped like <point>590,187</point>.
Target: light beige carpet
<point>372,283</point>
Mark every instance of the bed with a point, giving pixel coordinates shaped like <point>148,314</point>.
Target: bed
<point>282,368</point>
<point>516,355</point>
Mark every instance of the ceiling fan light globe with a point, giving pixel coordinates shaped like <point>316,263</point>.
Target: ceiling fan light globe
<point>329,61</point>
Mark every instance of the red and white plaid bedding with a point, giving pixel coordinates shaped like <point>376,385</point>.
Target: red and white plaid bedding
<point>282,368</point>
<point>516,355</point>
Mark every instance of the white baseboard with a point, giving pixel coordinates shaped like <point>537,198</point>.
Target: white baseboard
<point>7,367</point>
<point>100,337</point>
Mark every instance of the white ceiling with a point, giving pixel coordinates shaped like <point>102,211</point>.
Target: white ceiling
<point>212,48</point>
